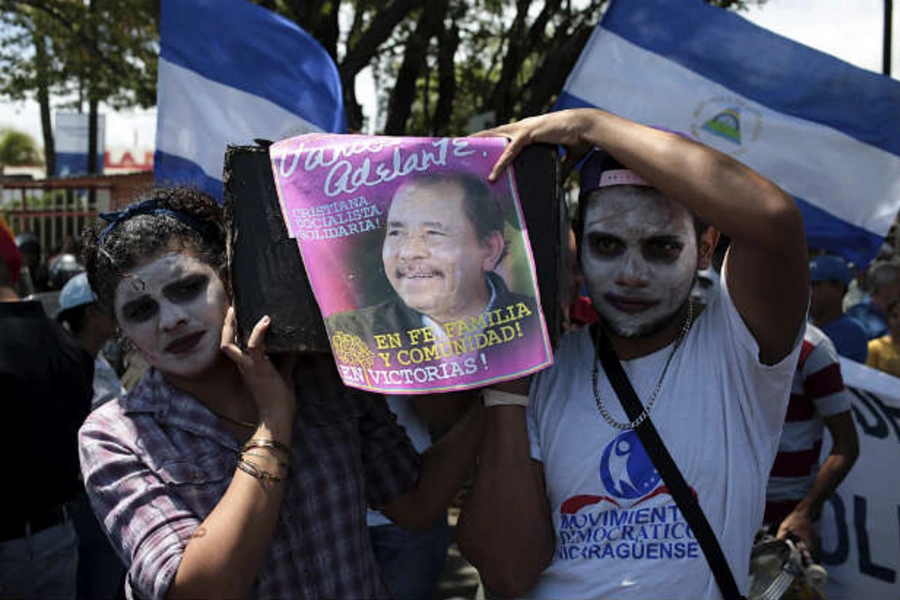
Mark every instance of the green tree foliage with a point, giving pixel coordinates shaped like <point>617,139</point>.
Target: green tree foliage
<point>17,148</point>
<point>78,51</point>
<point>105,48</point>
<point>437,64</point>
<point>440,63</point>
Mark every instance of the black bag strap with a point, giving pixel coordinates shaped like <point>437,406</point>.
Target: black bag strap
<point>668,470</point>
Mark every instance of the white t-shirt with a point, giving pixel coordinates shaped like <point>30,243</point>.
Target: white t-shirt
<point>720,411</point>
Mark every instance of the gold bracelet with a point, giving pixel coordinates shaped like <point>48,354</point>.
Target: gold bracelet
<point>254,470</point>
<point>281,463</point>
<point>266,443</point>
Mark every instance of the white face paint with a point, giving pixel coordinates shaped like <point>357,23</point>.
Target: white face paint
<point>172,308</point>
<point>639,256</point>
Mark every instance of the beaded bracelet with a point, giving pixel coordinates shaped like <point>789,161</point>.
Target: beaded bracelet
<point>266,443</point>
<point>254,470</point>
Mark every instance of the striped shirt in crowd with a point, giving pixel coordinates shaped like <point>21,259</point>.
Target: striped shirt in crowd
<point>818,391</point>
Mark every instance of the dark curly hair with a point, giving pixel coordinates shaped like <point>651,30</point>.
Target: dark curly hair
<point>108,257</point>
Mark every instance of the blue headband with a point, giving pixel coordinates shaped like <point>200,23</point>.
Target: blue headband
<point>152,207</point>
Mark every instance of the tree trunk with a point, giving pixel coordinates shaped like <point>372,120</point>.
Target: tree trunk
<point>414,62</point>
<point>43,98</point>
<point>93,105</point>
<point>551,75</point>
<point>505,91</point>
<point>449,42</point>
<point>318,19</point>
<point>404,92</point>
<point>93,141</point>
<point>361,53</point>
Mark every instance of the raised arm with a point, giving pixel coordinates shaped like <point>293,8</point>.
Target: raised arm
<point>505,529</point>
<point>227,550</point>
<point>169,551</point>
<point>843,454</point>
<point>444,467</point>
<point>766,268</point>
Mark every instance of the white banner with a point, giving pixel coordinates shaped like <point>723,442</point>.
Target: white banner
<point>860,524</point>
<point>71,133</point>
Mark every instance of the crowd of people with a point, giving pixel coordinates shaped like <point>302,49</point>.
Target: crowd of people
<point>226,472</point>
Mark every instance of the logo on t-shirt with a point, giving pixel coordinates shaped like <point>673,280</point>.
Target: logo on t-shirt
<point>618,524</point>
<point>626,470</point>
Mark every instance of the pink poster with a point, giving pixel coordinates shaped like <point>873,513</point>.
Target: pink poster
<point>421,268</point>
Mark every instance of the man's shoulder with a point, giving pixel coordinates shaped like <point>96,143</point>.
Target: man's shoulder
<point>817,338</point>
<point>723,330</point>
<point>385,317</point>
<point>109,417</point>
<point>516,298</point>
<point>869,317</point>
<point>25,323</point>
<point>864,312</point>
<point>844,325</point>
<point>880,344</point>
<point>44,344</point>
<point>574,353</point>
<point>517,304</point>
<point>352,317</point>
<point>817,353</point>
<point>506,297</point>
<point>75,355</point>
<point>849,337</point>
<point>504,294</point>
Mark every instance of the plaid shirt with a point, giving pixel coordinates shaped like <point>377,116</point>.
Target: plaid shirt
<point>156,462</point>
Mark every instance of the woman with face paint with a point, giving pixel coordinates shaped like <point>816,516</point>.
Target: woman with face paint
<point>224,473</point>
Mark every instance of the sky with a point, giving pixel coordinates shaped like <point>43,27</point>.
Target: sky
<point>848,29</point>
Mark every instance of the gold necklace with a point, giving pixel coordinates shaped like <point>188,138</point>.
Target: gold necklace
<point>238,422</point>
<point>688,321</point>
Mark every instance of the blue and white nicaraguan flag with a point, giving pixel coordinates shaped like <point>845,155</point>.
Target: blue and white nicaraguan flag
<point>231,72</point>
<point>825,131</point>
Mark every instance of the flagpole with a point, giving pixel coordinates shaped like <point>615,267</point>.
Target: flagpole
<point>886,48</point>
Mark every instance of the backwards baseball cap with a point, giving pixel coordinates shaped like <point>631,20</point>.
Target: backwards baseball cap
<point>829,267</point>
<point>9,252</point>
<point>75,293</point>
<point>600,170</point>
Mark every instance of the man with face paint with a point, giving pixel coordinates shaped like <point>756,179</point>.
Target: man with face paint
<point>566,502</point>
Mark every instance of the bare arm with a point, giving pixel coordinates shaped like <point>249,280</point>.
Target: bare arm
<point>844,451</point>
<point>444,467</point>
<point>505,529</point>
<point>444,409</point>
<point>227,550</point>
<point>767,258</point>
